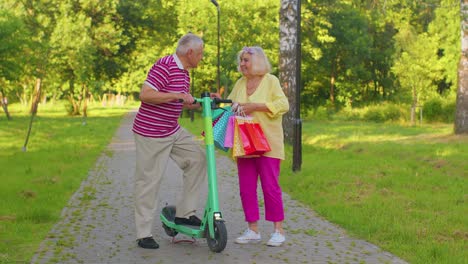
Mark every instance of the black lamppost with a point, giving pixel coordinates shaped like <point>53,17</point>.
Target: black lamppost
<point>297,139</point>
<point>218,75</point>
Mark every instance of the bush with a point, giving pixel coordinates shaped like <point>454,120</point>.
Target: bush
<point>448,111</point>
<point>351,114</point>
<point>374,114</point>
<point>393,112</point>
<point>439,110</point>
<point>385,112</point>
<point>321,113</point>
<point>432,110</point>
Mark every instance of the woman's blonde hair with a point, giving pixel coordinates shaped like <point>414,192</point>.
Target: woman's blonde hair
<point>260,63</point>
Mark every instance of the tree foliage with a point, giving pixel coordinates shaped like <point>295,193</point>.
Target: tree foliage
<point>354,52</point>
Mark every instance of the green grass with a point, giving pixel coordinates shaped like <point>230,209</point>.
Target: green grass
<point>402,188</point>
<point>38,183</point>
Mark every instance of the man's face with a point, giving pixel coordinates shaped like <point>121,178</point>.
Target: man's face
<point>195,56</point>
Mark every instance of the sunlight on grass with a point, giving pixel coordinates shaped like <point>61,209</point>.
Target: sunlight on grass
<point>350,132</point>
<point>402,188</point>
<point>37,184</point>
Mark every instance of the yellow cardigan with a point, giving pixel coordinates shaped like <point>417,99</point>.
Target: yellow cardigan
<point>270,93</point>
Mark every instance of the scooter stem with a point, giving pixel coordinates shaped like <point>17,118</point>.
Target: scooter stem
<point>212,205</point>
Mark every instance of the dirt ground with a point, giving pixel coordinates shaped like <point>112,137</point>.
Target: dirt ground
<point>98,227</point>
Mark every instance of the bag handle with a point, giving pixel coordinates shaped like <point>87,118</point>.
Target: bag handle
<point>239,113</point>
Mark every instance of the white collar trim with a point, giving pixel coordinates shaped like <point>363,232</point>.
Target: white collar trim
<point>178,62</point>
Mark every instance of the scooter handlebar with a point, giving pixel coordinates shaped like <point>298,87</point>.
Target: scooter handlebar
<point>215,101</point>
<point>182,100</point>
<point>221,101</point>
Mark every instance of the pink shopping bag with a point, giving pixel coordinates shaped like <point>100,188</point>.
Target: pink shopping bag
<point>229,138</point>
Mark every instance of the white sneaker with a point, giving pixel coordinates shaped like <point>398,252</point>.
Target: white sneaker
<point>249,236</point>
<point>276,239</point>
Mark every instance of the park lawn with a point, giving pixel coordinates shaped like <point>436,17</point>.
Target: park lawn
<point>37,184</point>
<point>402,188</point>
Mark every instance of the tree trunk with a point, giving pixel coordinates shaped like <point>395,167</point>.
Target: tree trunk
<point>74,104</point>
<point>461,113</point>
<point>36,97</point>
<point>290,75</point>
<point>287,62</point>
<point>332,85</point>
<point>35,102</point>
<point>414,105</point>
<point>4,103</point>
<point>85,103</point>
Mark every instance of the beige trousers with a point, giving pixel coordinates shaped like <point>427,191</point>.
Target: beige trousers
<point>152,155</point>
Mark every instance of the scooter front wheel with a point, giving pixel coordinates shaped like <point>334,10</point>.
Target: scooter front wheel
<point>218,243</point>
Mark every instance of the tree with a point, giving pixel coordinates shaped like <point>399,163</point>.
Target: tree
<point>417,68</point>
<point>349,47</point>
<point>287,62</point>
<point>445,29</point>
<point>347,57</point>
<point>461,115</point>
<point>237,31</point>
<point>151,29</point>
<point>14,41</point>
<point>290,68</point>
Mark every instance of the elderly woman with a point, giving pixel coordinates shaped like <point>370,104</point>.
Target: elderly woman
<point>258,94</point>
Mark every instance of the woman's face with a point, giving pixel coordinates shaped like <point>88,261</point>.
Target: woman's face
<point>246,63</point>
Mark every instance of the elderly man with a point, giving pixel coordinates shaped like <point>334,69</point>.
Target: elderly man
<point>158,137</point>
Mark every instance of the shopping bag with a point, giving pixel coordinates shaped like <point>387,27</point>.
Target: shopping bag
<point>253,138</point>
<point>229,137</point>
<point>257,137</point>
<point>237,147</point>
<point>215,120</point>
<point>219,130</point>
<point>216,113</point>
<point>249,148</point>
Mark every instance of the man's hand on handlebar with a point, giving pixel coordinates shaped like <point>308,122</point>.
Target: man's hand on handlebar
<point>186,98</point>
<point>189,101</point>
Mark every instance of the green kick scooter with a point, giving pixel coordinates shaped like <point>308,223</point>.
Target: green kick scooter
<point>212,227</point>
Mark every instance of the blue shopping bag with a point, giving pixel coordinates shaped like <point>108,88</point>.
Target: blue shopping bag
<point>219,111</point>
<point>219,129</point>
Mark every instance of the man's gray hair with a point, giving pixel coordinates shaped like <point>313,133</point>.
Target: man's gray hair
<point>188,41</point>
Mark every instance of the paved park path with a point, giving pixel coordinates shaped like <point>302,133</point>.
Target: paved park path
<point>97,226</point>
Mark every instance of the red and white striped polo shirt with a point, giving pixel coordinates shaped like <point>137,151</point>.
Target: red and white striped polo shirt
<point>161,120</point>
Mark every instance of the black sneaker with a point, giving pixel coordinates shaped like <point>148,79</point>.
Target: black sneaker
<point>147,242</point>
<point>192,220</point>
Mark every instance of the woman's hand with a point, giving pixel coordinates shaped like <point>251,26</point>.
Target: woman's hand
<point>248,108</point>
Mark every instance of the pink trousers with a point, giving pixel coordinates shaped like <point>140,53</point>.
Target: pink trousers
<point>267,169</point>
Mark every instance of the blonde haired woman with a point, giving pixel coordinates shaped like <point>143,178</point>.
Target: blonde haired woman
<point>258,93</point>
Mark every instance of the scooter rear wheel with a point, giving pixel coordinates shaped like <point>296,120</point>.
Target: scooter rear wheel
<point>218,243</point>
<point>169,212</point>
<point>170,231</point>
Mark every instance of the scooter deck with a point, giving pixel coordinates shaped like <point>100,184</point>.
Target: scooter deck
<point>193,231</point>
